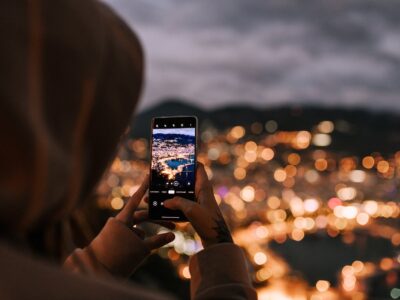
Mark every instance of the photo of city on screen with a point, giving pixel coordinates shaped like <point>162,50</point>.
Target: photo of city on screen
<point>173,158</point>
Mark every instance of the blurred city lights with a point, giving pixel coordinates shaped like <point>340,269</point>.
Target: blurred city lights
<point>326,127</point>
<point>322,140</point>
<point>117,203</point>
<point>260,258</point>
<point>279,186</point>
<point>322,285</point>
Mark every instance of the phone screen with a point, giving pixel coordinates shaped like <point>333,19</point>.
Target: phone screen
<point>173,164</point>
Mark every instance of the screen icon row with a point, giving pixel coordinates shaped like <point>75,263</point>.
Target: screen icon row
<point>173,125</point>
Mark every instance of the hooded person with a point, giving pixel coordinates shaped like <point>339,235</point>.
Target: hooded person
<point>71,75</point>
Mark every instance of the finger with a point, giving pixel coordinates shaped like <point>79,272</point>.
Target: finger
<point>143,216</point>
<point>201,176</point>
<point>125,215</point>
<point>140,216</point>
<point>203,188</point>
<point>159,240</point>
<point>188,207</point>
<point>139,232</point>
<point>195,213</point>
<point>146,199</point>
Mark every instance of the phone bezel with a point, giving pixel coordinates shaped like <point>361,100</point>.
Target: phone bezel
<point>181,217</point>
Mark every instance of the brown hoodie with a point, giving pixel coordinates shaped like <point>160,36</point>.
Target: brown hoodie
<point>71,73</point>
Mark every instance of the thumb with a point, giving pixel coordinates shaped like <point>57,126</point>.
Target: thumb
<point>195,213</point>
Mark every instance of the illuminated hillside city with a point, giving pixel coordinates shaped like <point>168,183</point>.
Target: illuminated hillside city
<point>276,187</point>
<point>171,157</point>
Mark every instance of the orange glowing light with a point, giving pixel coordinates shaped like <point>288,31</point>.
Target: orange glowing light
<point>396,239</point>
<point>386,263</point>
<point>321,164</point>
<point>347,193</point>
<point>239,173</point>
<point>267,154</point>
<point>247,193</point>
<point>273,202</point>
<point>370,207</point>
<point>250,156</point>
<point>383,166</point>
<point>280,175</point>
<point>368,162</point>
<point>347,271</point>
<point>349,283</point>
<point>263,274</point>
<point>224,158</point>
<point>262,232</point>
<point>117,203</point>
<point>322,285</point>
<point>362,218</point>
<point>260,258</point>
<point>347,164</point>
<point>326,127</point>
<point>289,182</point>
<point>250,146</point>
<point>296,206</point>
<point>294,159</point>
<point>213,153</point>
<point>237,132</point>
<point>297,235</point>
<point>309,223</point>
<point>173,255</point>
<point>311,176</point>
<point>302,140</point>
<point>358,266</point>
<point>184,271</point>
<point>321,221</point>
<point>291,170</point>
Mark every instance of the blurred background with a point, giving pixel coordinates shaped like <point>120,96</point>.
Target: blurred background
<point>299,106</point>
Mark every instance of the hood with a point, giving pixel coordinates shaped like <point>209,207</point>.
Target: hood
<point>71,74</point>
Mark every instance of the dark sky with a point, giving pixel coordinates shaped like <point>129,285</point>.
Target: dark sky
<point>219,52</point>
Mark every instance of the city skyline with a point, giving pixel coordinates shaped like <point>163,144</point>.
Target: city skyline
<point>172,156</point>
<point>184,131</point>
<point>286,194</point>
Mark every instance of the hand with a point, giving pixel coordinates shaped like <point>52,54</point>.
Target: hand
<point>130,217</point>
<point>204,215</point>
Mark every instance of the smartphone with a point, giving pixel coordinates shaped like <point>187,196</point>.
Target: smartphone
<point>173,164</point>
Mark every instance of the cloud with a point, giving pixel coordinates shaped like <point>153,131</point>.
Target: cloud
<point>215,53</point>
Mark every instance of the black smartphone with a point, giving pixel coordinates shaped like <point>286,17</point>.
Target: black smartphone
<point>173,164</point>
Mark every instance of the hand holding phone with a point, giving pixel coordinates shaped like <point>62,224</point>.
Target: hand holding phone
<point>130,216</point>
<point>204,215</point>
<point>173,164</point>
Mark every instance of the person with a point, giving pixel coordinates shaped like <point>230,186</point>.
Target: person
<point>71,76</point>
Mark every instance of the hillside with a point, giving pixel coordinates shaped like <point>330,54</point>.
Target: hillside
<point>358,131</point>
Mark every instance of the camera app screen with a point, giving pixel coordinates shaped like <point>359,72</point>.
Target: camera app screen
<point>173,163</point>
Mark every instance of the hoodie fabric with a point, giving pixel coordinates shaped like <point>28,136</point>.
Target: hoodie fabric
<point>71,73</point>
